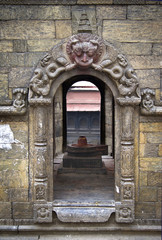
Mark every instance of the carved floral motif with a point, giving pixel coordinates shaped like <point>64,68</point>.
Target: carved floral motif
<point>125,212</point>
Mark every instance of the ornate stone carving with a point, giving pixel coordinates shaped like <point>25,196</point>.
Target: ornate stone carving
<point>127,123</point>
<point>43,212</point>
<point>148,103</point>
<point>86,53</point>
<point>18,106</point>
<point>127,190</point>
<point>84,49</point>
<point>40,192</point>
<point>127,167</point>
<point>147,99</point>
<point>124,212</point>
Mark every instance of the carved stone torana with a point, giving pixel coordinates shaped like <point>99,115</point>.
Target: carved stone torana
<point>18,106</point>
<point>148,103</point>
<point>88,53</point>
<point>83,51</point>
<point>43,212</point>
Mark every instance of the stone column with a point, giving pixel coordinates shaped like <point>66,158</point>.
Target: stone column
<point>42,208</point>
<point>125,208</point>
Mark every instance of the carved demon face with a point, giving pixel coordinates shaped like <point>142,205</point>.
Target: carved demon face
<point>84,53</point>
<point>84,50</point>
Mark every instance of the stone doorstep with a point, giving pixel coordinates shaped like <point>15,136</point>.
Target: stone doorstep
<point>83,214</point>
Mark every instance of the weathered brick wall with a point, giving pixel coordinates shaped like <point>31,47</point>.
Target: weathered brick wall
<point>27,32</point>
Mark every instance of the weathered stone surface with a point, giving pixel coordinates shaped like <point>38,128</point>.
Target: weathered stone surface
<point>18,194</point>
<point>148,194</point>
<point>151,127</point>
<point>130,31</point>
<point>20,131</point>
<point>14,174</point>
<point>160,150</point>
<point>129,2</point>
<point>63,29</point>
<point>136,48</point>
<point>24,12</point>
<point>144,13</point>
<point>5,210</point>
<point>150,164</point>
<point>78,14</point>
<point>4,195</point>
<point>22,210</point>
<point>145,62</point>
<point>157,49</point>
<point>20,77</point>
<point>20,59</point>
<point>32,29</point>
<point>6,46</point>
<point>145,210</point>
<point>151,150</point>
<point>19,45</point>
<point>143,178</point>
<point>94,1</point>
<point>41,45</point>
<point>158,210</point>
<point>3,86</point>
<point>149,78</point>
<point>154,137</point>
<point>142,138</point>
<point>111,12</point>
<point>19,150</point>
<point>155,179</point>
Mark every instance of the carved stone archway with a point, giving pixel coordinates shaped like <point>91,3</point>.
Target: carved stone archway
<point>78,55</point>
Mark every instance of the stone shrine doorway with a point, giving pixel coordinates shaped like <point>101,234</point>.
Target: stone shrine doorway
<point>82,55</point>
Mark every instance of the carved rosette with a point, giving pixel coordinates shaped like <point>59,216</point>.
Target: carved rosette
<point>124,212</point>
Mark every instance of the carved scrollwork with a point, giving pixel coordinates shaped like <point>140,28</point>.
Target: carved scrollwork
<point>84,51</point>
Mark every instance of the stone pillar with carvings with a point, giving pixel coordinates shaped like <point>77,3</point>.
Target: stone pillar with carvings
<point>125,208</point>
<point>42,208</point>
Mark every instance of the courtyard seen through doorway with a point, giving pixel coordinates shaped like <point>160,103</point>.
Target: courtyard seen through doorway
<point>89,180</point>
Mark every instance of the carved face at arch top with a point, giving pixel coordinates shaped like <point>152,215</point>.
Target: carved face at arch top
<point>84,49</point>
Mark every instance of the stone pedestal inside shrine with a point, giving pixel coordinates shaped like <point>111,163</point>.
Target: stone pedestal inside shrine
<point>83,155</point>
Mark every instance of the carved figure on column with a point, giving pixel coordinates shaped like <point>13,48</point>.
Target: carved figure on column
<point>147,99</point>
<point>19,102</point>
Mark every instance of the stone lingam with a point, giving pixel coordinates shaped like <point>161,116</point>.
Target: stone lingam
<point>84,155</point>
